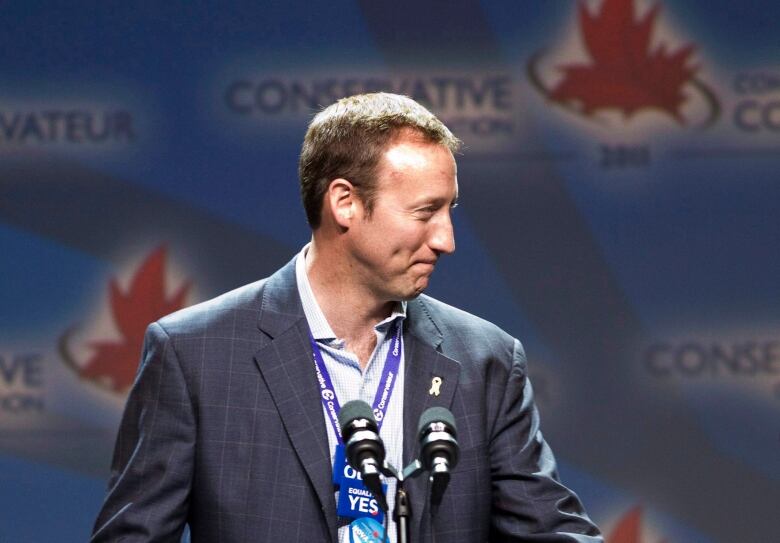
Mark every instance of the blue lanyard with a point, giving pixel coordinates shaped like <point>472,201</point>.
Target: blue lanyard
<point>383,393</point>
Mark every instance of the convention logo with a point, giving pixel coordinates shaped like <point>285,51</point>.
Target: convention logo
<point>477,105</point>
<point>51,125</point>
<point>110,361</point>
<point>756,360</point>
<point>21,383</point>
<point>628,529</point>
<point>627,70</point>
<point>757,107</point>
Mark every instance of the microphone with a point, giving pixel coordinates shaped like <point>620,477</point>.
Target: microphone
<point>364,448</point>
<point>439,448</point>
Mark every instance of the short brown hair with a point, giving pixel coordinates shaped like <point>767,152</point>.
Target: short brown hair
<point>346,140</point>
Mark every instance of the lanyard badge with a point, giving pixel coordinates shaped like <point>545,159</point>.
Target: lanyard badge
<point>366,530</point>
<point>355,500</point>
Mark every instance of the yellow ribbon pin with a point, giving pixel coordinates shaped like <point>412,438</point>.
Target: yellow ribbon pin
<point>435,386</point>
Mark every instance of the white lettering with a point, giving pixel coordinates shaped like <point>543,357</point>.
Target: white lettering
<point>351,473</point>
<point>385,394</point>
<point>364,503</point>
<point>353,500</point>
<point>360,533</point>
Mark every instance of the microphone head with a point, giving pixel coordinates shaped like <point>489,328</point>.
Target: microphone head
<point>434,415</point>
<point>364,449</point>
<point>438,440</point>
<point>356,410</point>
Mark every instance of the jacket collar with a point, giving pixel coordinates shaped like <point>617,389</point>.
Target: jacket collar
<point>431,380</point>
<point>285,363</point>
<point>281,307</point>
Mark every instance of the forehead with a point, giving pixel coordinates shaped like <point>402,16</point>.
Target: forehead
<point>412,154</point>
<point>414,171</point>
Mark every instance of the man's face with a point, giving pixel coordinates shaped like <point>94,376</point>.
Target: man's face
<point>396,247</point>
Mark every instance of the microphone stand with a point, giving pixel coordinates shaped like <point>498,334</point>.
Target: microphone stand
<point>402,511</point>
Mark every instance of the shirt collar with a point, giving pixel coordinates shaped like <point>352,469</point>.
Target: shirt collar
<point>318,324</point>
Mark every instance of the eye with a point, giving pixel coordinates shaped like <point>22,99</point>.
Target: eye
<point>426,212</point>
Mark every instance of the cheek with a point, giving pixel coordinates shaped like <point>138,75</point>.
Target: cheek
<point>410,238</point>
<point>400,238</point>
<point>404,248</point>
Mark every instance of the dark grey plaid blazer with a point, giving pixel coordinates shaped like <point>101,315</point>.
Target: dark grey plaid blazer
<point>224,430</point>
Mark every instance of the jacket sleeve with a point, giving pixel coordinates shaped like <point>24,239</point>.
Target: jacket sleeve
<point>151,471</point>
<point>530,504</point>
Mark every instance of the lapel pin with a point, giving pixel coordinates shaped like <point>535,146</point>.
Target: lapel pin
<point>435,386</point>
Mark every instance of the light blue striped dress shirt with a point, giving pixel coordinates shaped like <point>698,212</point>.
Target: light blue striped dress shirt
<point>351,383</point>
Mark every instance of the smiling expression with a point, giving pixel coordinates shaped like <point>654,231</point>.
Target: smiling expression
<point>395,248</point>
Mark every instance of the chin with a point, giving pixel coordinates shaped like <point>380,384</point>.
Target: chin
<point>410,294</point>
<point>413,295</point>
<point>415,288</point>
<point>419,289</point>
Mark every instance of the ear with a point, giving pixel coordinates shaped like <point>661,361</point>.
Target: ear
<point>343,202</point>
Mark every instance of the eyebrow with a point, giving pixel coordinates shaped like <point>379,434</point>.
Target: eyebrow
<point>439,203</point>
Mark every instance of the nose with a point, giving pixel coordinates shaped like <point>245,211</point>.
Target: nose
<point>442,239</point>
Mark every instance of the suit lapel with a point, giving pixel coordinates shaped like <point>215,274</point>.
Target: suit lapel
<point>424,363</point>
<point>285,363</point>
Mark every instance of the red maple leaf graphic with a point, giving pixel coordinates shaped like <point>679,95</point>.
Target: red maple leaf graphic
<point>629,528</point>
<point>115,363</point>
<point>624,73</point>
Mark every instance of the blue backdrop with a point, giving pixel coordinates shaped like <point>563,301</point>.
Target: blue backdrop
<point>619,195</point>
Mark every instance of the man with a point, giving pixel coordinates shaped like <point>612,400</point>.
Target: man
<point>228,428</point>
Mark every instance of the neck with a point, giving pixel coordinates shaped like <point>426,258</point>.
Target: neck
<point>351,310</point>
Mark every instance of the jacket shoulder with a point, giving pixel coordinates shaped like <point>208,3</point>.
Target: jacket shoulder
<point>211,314</point>
<point>462,329</point>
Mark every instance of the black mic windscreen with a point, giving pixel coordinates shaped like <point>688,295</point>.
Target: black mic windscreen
<point>356,409</point>
<point>436,414</point>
